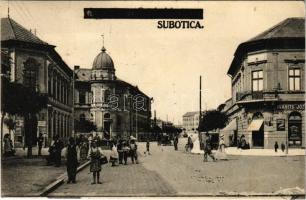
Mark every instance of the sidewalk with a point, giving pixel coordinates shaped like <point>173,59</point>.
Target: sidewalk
<point>21,176</point>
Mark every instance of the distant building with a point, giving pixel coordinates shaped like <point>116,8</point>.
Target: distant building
<point>268,87</point>
<point>191,121</point>
<point>117,108</point>
<point>36,64</point>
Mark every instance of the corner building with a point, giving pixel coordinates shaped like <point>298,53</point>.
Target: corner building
<point>117,108</point>
<point>268,87</point>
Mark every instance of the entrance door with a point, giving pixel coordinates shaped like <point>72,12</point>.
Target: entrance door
<point>258,137</point>
<point>295,130</point>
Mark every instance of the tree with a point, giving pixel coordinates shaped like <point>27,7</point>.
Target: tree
<point>20,100</point>
<point>212,120</point>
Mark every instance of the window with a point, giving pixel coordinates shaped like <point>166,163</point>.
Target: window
<point>82,117</point>
<point>294,79</point>
<point>82,97</point>
<point>257,80</point>
<point>30,73</point>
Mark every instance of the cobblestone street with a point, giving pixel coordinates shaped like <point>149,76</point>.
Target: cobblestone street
<point>170,173</point>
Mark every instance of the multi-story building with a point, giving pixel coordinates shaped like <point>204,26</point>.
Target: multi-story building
<point>117,108</point>
<point>36,64</point>
<point>268,87</point>
<point>191,121</point>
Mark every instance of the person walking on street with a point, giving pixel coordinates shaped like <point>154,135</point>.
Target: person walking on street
<point>72,161</point>
<point>175,142</point>
<point>133,150</point>
<point>40,141</point>
<point>283,146</point>
<point>208,148</point>
<point>126,150</point>
<point>57,150</point>
<point>120,151</point>
<point>8,146</point>
<point>275,146</point>
<point>95,155</point>
<point>148,147</point>
<point>114,155</point>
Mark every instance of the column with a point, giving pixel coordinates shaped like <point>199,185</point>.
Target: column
<point>56,88</point>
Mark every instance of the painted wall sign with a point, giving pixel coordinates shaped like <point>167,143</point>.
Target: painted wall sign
<point>280,124</point>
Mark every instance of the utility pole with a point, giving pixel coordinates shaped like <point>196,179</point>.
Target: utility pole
<point>136,123</point>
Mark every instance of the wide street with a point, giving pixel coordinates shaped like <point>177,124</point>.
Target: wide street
<point>170,173</point>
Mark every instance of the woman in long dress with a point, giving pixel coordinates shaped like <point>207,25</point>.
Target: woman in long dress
<point>114,155</point>
<point>95,154</point>
<point>72,161</point>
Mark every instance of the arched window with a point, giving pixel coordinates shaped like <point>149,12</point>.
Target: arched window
<point>82,117</point>
<point>30,73</point>
<point>295,116</point>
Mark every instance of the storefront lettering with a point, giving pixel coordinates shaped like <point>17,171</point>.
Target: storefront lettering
<point>291,107</point>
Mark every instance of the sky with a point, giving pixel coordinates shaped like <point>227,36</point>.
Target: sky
<point>164,63</point>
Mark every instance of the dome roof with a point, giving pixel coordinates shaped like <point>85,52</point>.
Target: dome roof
<point>103,61</point>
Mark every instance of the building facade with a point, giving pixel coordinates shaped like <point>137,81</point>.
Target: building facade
<point>36,64</point>
<point>191,121</point>
<point>268,87</point>
<point>117,108</point>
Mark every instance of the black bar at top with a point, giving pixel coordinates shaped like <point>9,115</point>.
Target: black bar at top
<point>143,13</point>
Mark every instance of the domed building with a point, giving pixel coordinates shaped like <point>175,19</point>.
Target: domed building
<point>117,108</point>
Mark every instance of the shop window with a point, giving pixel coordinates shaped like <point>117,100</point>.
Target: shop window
<point>257,80</point>
<point>294,79</point>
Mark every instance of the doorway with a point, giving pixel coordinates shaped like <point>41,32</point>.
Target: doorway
<point>295,130</point>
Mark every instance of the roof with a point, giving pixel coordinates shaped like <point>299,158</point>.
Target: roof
<point>288,34</point>
<point>189,114</point>
<point>289,28</point>
<point>83,75</point>
<point>11,30</point>
<point>103,61</point>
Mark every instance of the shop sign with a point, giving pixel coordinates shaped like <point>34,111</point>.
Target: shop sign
<point>280,123</point>
<point>291,107</point>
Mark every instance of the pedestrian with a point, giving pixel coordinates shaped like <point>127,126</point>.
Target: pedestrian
<point>8,146</point>
<point>83,149</point>
<point>283,147</point>
<point>114,155</point>
<point>190,143</point>
<point>95,154</point>
<point>208,148</point>
<point>175,142</point>
<point>133,150</point>
<point>58,146</point>
<point>40,141</point>
<point>72,161</point>
<point>148,147</point>
<point>126,151</point>
<point>120,151</point>
<point>275,146</point>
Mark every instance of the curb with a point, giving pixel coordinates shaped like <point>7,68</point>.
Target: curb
<point>59,181</point>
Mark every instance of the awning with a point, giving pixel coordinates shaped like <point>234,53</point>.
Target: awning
<point>255,125</point>
<point>232,126</point>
